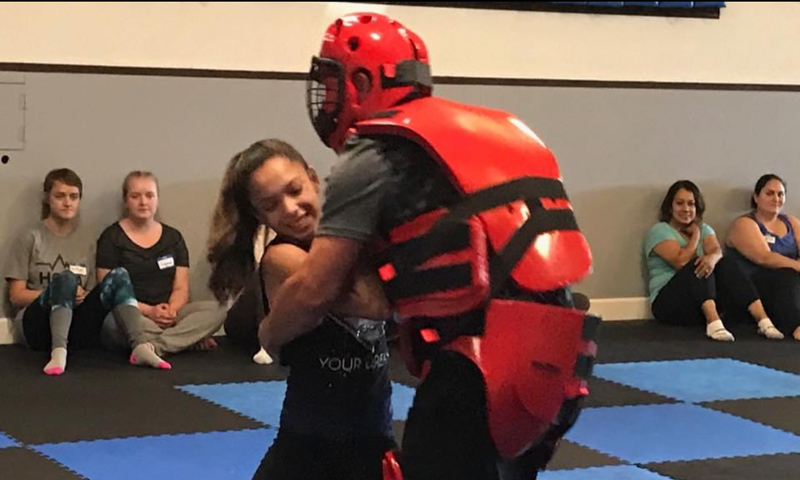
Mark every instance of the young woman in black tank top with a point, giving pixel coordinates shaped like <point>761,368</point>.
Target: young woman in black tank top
<point>336,418</point>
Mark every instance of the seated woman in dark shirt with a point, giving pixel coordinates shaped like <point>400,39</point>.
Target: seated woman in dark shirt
<point>157,259</point>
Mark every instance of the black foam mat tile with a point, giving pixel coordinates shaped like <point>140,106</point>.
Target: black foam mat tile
<point>648,340</point>
<point>782,413</point>
<point>603,393</point>
<point>780,355</point>
<point>47,410</point>
<point>19,463</point>
<point>765,467</point>
<point>571,455</point>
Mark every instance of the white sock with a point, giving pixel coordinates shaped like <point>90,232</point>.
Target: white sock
<point>58,361</point>
<point>766,328</point>
<point>144,354</point>
<point>717,331</point>
<point>262,357</point>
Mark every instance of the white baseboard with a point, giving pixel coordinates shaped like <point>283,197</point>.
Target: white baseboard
<point>5,331</point>
<point>627,308</point>
<point>610,309</point>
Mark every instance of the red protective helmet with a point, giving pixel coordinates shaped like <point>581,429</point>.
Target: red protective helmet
<point>368,63</point>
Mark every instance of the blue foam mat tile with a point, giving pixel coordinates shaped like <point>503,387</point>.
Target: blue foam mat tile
<point>6,441</point>
<point>680,432</point>
<point>402,398</point>
<point>705,380</point>
<point>217,455</point>
<point>619,472</point>
<point>262,401</point>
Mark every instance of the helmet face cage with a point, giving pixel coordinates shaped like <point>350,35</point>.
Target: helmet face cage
<point>325,92</point>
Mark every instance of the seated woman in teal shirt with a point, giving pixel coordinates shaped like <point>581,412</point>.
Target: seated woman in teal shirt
<point>689,279</point>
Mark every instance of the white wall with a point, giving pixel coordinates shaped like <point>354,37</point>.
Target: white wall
<point>750,43</point>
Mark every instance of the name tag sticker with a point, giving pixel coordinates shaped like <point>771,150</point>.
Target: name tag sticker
<point>166,261</point>
<point>79,270</point>
<point>769,238</point>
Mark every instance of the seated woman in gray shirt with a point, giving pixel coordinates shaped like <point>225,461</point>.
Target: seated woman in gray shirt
<point>51,281</point>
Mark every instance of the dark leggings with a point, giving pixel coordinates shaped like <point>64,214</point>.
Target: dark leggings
<point>241,323</point>
<point>87,318</point>
<point>447,431</point>
<point>294,457</point>
<point>680,301</point>
<point>780,292</point>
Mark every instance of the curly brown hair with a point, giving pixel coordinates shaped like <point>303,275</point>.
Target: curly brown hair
<point>234,223</point>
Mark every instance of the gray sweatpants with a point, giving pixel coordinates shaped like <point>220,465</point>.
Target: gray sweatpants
<point>195,321</point>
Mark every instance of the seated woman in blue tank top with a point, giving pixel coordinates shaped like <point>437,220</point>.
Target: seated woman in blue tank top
<point>764,242</point>
<point>336,421</point>
<point>690,281</point>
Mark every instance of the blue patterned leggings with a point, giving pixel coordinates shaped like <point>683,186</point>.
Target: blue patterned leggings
<point>87,318</point>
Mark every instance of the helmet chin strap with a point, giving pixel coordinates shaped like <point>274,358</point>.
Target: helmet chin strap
<point>408,73</point>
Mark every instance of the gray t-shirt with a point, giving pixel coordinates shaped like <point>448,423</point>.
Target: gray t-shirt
<point>354,192</point>
<point>37,256</point>
<point>379,183</point>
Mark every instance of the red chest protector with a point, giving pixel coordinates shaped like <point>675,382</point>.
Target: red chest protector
<point>514,222</point>
<point>513,197</point>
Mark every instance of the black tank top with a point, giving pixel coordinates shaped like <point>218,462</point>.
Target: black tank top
<point>338,386</point>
